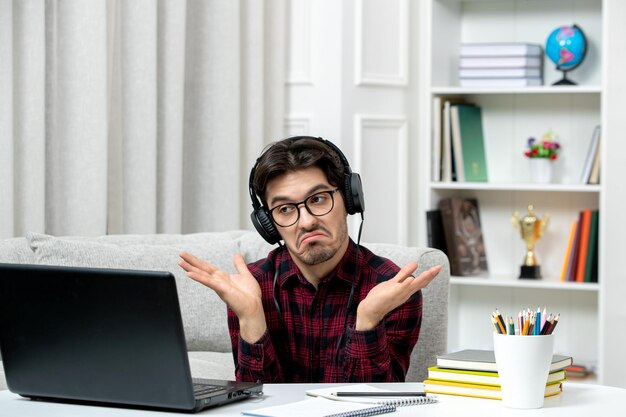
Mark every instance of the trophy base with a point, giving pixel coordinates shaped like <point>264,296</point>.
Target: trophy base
<point>530,272</point>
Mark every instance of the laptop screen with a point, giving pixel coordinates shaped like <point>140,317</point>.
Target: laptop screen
<point>90,334</point>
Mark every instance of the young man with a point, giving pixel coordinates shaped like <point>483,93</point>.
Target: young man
<point>319,308</point>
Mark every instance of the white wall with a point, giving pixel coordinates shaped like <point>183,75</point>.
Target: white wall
<point>349,78</point>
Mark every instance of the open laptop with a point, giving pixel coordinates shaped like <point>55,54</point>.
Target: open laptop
<point>101,335</point>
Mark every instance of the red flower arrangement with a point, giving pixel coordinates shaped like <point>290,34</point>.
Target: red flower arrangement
<point>548,147</point>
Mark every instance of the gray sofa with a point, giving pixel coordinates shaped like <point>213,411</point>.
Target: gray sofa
<point>204,314</point>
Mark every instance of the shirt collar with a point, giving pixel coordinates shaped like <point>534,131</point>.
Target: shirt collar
<point>345,271</point>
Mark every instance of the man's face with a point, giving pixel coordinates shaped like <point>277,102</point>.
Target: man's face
<point>312,239</point>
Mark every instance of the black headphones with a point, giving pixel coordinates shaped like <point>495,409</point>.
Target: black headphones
<point>352,191</point>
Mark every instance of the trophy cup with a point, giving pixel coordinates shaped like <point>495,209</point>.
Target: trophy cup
<point>531,229</point>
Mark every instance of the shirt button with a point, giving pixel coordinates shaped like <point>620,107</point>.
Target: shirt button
<point>258,358</point>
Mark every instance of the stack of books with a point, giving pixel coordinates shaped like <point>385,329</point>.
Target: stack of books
<point>473,373</point>
<point>501,65</point>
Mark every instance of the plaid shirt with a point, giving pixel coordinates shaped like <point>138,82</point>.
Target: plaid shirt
<point>308,341</point>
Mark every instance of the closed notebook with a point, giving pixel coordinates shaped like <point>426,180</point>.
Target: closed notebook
<point>329,393</point>
<point>317,407</point>
<point>484,360</point>
<point>476,390</point>
<point>479,377</point>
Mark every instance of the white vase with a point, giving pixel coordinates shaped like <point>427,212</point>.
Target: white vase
<point>541,170</point>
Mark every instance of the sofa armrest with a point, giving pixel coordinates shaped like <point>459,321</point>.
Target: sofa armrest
<point>434,329</point>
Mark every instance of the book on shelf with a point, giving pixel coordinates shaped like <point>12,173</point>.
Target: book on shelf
<point>501,49</point>
<point>590,157</point>
<point>577,371</point>
<point>464,238</point>
<point>581,257</point>
<point>315,407</point>
<point>371,395</point>
<point>584,243</point>
<point>480,377</point>
<point>457,147</point>
<point>572,260</point>
<point>468,143</point>
<point>501,82</point>
<point>479,391</point>
<point>435,235</point>
<point>446,145</point>
<point>501,62</point>
<point>485,360</point>
<point>500,72</point>
<point>568,250</point>
<point>594,176</point>
<point>437,139</point>
<point>448,170</point>
<point>591,272</point>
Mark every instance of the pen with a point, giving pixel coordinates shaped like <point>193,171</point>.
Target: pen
<point>379,394</point>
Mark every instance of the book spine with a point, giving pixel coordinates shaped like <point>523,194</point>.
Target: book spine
<point>447,219</point>
<point>568,253</point>
<point>594,176</point>
<point>457,146</point>
<point>500,49</point>
<point>592,248</point>
<point>435,234</point>
<point>446,158</point>
<point>571,267</point>
<point>472,143</point>
<point>436,140</point>
<point>591,156</point>
<point>501,62</point>
<point>584,243</point>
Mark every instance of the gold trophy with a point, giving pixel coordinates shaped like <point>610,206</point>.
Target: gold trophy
<point>531,229</point>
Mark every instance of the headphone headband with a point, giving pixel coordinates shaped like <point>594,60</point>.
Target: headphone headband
<point>351,188</point>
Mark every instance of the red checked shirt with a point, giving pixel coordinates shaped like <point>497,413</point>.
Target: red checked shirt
<point>309,340</point>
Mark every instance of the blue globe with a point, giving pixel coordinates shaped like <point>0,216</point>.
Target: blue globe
<point>566,47</point>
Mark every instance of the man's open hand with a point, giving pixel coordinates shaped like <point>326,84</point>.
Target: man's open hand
<point>241,292</point>
<point>390,294</point>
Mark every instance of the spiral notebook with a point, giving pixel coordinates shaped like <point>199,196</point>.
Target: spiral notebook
<point>316,407</point>
<point>371,398</point>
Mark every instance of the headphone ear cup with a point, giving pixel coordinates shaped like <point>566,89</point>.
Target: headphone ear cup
<point>265,226</point>
<point>355,201</point>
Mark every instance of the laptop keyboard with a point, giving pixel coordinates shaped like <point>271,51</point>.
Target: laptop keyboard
<point>202,390</point>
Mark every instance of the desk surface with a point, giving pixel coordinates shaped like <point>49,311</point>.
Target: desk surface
<point>576,400</point>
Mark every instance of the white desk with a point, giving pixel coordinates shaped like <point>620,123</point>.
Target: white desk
<point>577,399</point>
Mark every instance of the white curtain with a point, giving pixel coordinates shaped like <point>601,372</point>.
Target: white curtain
<point>135,116</point>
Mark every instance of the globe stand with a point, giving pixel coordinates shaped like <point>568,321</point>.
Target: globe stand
<point>564,80</point>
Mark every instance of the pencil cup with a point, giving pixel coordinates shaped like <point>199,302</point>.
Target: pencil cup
<point>523,364</point>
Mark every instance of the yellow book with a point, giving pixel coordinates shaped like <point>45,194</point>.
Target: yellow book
<point>570,242</point>
<point>491,392</point>
<point>480,377</point>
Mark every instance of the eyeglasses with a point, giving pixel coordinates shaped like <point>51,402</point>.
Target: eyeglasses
<point>318,204</point>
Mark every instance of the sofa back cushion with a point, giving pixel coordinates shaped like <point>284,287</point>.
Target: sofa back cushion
<point>203,313</point>
<point>15,250</point>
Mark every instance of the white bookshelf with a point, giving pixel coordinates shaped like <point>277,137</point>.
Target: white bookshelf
<point>510,116</point>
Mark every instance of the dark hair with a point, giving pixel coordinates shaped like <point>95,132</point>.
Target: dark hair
<point>294,154</point>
